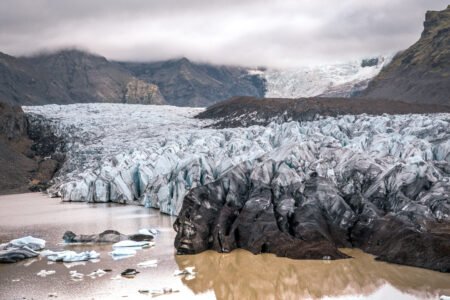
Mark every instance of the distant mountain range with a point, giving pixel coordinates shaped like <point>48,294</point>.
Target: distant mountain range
<point>71,76</point>
<point>74,76</point>
<point>420,74</point>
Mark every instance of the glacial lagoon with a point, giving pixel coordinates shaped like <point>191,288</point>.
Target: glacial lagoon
<point>237,275</point>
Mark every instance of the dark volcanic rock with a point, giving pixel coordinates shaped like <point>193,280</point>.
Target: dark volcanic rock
<point>279,204</point>
<point>185,83</point>
<point>420,74</point>
<point>247,111</point>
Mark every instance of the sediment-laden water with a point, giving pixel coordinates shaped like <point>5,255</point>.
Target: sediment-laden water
<point>238,275</point>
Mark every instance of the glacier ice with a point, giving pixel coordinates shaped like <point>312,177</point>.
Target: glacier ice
<point>335,80</point>
<point>154,155</point>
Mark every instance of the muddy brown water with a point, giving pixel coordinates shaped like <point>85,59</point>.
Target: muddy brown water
<point>238,275</point>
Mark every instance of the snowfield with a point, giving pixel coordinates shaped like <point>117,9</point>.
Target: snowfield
<point>338,80</point>
<point>153,155</point>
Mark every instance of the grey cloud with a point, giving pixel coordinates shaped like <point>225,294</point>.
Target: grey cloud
<point>274,33</point>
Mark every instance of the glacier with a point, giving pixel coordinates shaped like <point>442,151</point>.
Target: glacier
<point>334,80</point>
<point>153,155</point>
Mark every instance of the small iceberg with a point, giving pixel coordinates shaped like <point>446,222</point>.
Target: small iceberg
<point>121,253</point>
<point>70,256</point>
<point>153,263</point>
<point>150,231</point>
<point>45,273</point>
<point>133,244</point>
<point>28,241</point>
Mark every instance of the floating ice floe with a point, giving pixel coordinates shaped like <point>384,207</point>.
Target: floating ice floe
<point>150,231</point>
<point>98,273</point>
<point>188,272</point>
<point>159,292</point>
<point>153,263</point>
<point>70,256</point>
<point>74,264</point>
<point>13,255</point>
<point>45,273</point>
<point>121,253</point>
<point>75,276</point>
<point>133,244</point>
<point>28,241</point>
<point>20,249</point>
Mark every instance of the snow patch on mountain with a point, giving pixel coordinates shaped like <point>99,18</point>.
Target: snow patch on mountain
<point>338,80</point>
<point>153,155</point>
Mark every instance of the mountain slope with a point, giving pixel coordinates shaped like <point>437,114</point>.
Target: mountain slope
<point>70,76</point>
<point>184,83</point>
<point>420,74</point>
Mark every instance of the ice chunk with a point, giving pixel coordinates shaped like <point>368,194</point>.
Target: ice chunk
<point>150,231</point>
<point>12,255</point>
<point>28,241</point>
<point>98,273</point>
<point>44,273</point>
<point>148,264</point>
<point>121,253</point>
<point>70,256</point>
<point>133,244</point>
<point>75,276</point>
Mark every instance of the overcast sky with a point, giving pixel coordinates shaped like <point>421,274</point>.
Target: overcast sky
<point>282,33</point>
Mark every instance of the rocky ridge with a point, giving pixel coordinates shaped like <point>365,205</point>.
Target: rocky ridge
<point>248,111</point>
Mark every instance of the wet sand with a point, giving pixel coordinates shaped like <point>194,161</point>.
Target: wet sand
<point>238,275</point>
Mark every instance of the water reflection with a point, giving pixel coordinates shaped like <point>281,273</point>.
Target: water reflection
<point>242,275</point>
